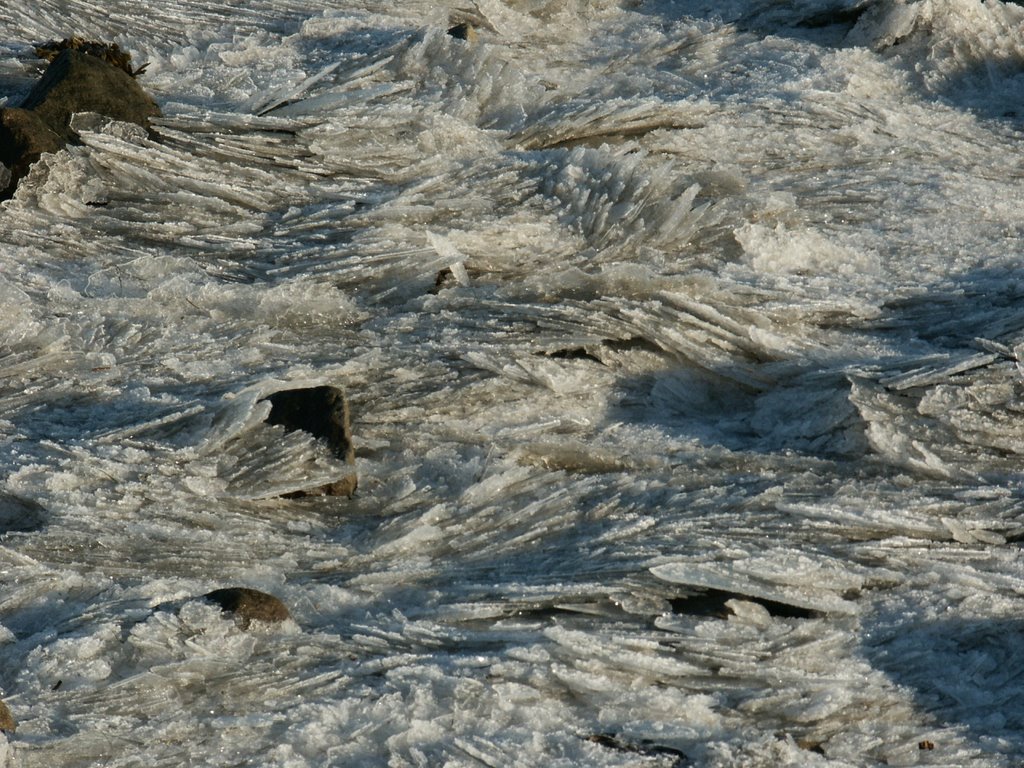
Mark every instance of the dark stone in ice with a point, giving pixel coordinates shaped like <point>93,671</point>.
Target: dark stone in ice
<point>322,412</point>
<point>78,82</point>
<point>84,79</point>
<point>7,724</point>
<point>463,31</point>
<point>249,605</point>
<point>20,514</point>
<point>24,137</point>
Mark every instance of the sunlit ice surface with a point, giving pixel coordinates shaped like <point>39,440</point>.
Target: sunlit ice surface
<point>682,342</point>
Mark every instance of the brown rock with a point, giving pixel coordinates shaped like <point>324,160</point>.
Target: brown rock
<point>108,52</point>
<point>7,724</point>
<point>249,605</point>
<point>463,31</point>
<point>83,76</point>
<point>17,514</point>
<point>322,412</point>
<point>78,82</point>
<point>24,137</point>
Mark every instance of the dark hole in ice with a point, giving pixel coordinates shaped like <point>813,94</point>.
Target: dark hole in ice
<point>445,279</point>
<point>834,16</point>
<point>1015,536</point>
<point>549,612</point>
<point>712,602</point>
<point>643,747</point>
<point>576,353</point>
<point>616,345</point>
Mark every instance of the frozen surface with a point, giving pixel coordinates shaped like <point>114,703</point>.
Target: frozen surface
<point>683,342</point>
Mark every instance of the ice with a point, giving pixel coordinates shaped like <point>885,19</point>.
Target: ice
<point>682,345</point>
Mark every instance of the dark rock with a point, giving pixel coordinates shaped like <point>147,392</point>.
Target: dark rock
<point>83,76</point>
<point>78,82</point>
<point>20,514</point>
<point>322,412</point>
<point>7,724</point>
<point>24,137</point>
<point>463,31</point>
<point>249,605</point>
<point>108,52</point>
